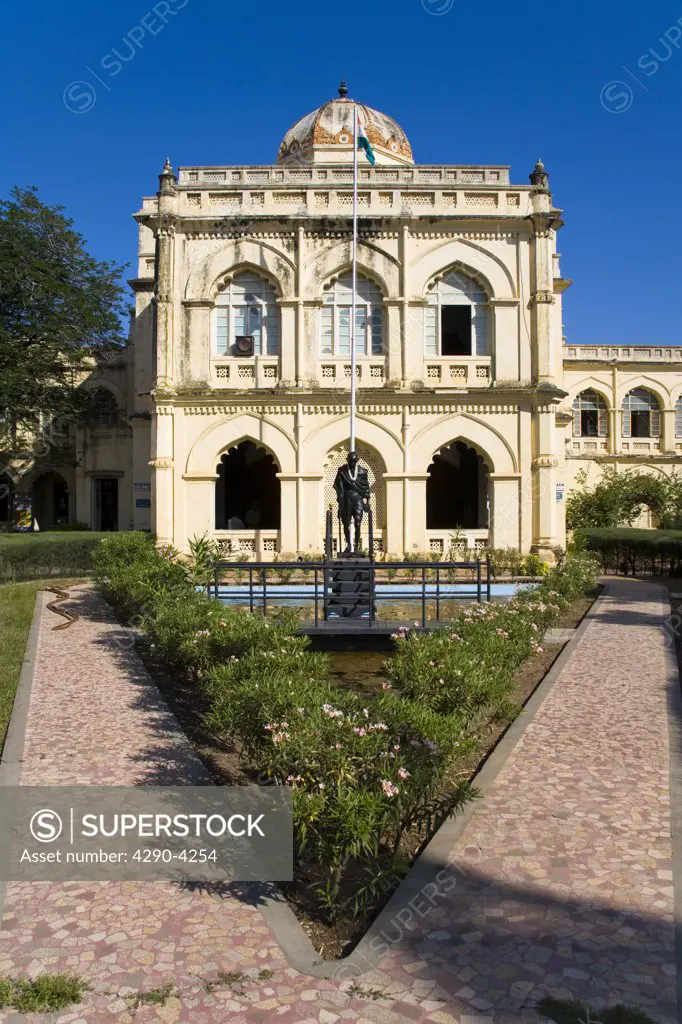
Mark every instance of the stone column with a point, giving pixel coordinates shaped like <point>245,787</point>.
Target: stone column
<point>543,468</point>
<point>163,513</point>
<point>197,342</point>
<point>505,340</point>
<point>415,512</point>
<point>396,491</point>
<point>394,340</point>
<point>288,343</point>
<point>289,514</point>
<point>668,430</point>
<point>505,510</point>
<point>163,283</point>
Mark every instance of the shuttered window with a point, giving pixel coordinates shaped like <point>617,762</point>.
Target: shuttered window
<point>335,318</point>
<point>247,306</point>
<point>472,334</point>
<point>590,415</point>
<point>641,415</point>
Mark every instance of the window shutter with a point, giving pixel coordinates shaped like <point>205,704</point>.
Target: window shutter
<point>577,425</point>
<point>678,418</point>
<point>430,330</point>
<point>327,332</point>
<point>223,332</point>
<point>626,423</point>
<point>602,422</point>
<point>655,422</point>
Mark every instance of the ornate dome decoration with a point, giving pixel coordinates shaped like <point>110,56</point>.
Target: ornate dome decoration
<point>326,135</point>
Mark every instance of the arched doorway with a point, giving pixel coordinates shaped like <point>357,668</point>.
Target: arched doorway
<point>457,489</point>
<point>247,491</point>
<point>50,501</point>
<point>374,464</point>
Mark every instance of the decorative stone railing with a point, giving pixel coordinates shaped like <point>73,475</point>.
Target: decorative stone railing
<point>624,353</point>
<point>457,371</point>
<point>444,543</point>
<point>274,174</point>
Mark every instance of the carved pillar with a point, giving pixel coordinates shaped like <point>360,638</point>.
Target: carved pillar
<point>163,282</point>
<point>505,510</point>
<point>544,466</point>
<point>162,464</point>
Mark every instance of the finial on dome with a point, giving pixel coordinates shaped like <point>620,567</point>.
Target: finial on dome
<point>168,166</point>
<point>343,89</point>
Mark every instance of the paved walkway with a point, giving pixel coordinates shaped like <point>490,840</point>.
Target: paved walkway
<point>564,873</point>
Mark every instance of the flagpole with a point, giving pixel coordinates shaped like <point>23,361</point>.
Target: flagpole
<point>354,249</point>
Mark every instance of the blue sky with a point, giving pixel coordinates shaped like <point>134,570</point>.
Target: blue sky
<point>470,82</point>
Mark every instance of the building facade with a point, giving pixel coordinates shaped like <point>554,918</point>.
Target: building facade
<point>231,405</point>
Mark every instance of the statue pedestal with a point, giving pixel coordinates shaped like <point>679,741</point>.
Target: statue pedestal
<point>350,589</point>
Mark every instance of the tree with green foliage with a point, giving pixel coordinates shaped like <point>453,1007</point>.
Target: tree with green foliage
<point>617,498</point>
<point>59,309</point>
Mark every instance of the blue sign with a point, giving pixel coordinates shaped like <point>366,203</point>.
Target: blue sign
<point>143,502</point>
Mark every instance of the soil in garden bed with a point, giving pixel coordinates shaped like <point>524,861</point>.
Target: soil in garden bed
<point>364,673</point>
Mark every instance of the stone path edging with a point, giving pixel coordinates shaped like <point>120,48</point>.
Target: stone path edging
<point>675,734</point>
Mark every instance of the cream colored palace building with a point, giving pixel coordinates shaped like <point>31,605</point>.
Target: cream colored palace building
<point>228,413</point>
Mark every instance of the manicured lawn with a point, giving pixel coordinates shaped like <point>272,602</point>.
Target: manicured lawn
<point>50,537</point>
<point>17,601</point>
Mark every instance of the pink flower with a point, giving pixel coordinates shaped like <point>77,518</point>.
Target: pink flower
<point>403,773</point>
<point>385,685</point>
<point>389,788</point>
<point>360,732</point>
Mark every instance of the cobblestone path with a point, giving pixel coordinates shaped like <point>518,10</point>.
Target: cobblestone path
<point>563,875</point>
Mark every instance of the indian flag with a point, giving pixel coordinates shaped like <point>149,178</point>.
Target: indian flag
<point>363,141</point>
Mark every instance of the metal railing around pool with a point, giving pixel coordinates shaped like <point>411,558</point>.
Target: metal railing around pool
<point>263,585</point>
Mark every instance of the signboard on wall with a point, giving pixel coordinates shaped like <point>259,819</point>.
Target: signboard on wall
<point>559,492</point>
<point>22,520</point>
<point>143,502</point>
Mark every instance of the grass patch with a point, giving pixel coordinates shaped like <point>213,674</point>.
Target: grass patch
<point>152,997</point>
<point>572,1011</point>
<point>45,994</point>
<point>17,601</point>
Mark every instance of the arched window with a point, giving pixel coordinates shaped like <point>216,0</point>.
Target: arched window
<point>641,414</point>
<point>247,308</point>
<point>678,417</point>
<point>104,409</point>
<point>335,318</point>
<point>589,415</point>
<point>456,319</point>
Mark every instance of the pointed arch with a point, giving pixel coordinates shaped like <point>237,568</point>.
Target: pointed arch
<point>494,448</point>
<point>467,256</point>
<point>234,255</point>
<point>207,450</point>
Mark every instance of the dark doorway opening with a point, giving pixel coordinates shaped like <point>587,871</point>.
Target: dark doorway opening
<point>589,423</point>
<point>106,504</point>
<point>247,492</point>
<point>640,423</point>
<point>457,489</point>
<point>6,492</point>
<point>455,330</point>
<point>50,501</point>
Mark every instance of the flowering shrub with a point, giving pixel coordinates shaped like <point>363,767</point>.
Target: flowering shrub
<point>467,668</point>
<point>365,775</point>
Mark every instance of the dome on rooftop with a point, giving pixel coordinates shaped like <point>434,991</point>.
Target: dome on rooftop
<point>325,135</point>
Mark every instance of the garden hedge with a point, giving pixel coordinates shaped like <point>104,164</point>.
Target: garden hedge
<point>637,552</point>
<point>27,556</point>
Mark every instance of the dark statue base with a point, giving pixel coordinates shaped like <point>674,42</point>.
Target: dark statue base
<point>350,586</point>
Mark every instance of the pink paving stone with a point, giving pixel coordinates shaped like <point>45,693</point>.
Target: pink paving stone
<point>567,862</point>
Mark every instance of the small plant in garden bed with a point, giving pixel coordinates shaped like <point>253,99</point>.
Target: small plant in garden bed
<point>572,1011</point>
<point>44,994</point>
<point>372,778</point>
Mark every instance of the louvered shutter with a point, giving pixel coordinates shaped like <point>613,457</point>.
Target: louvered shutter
<point>655,422</point>
<point>626,423</point>
<point>602,420</point>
